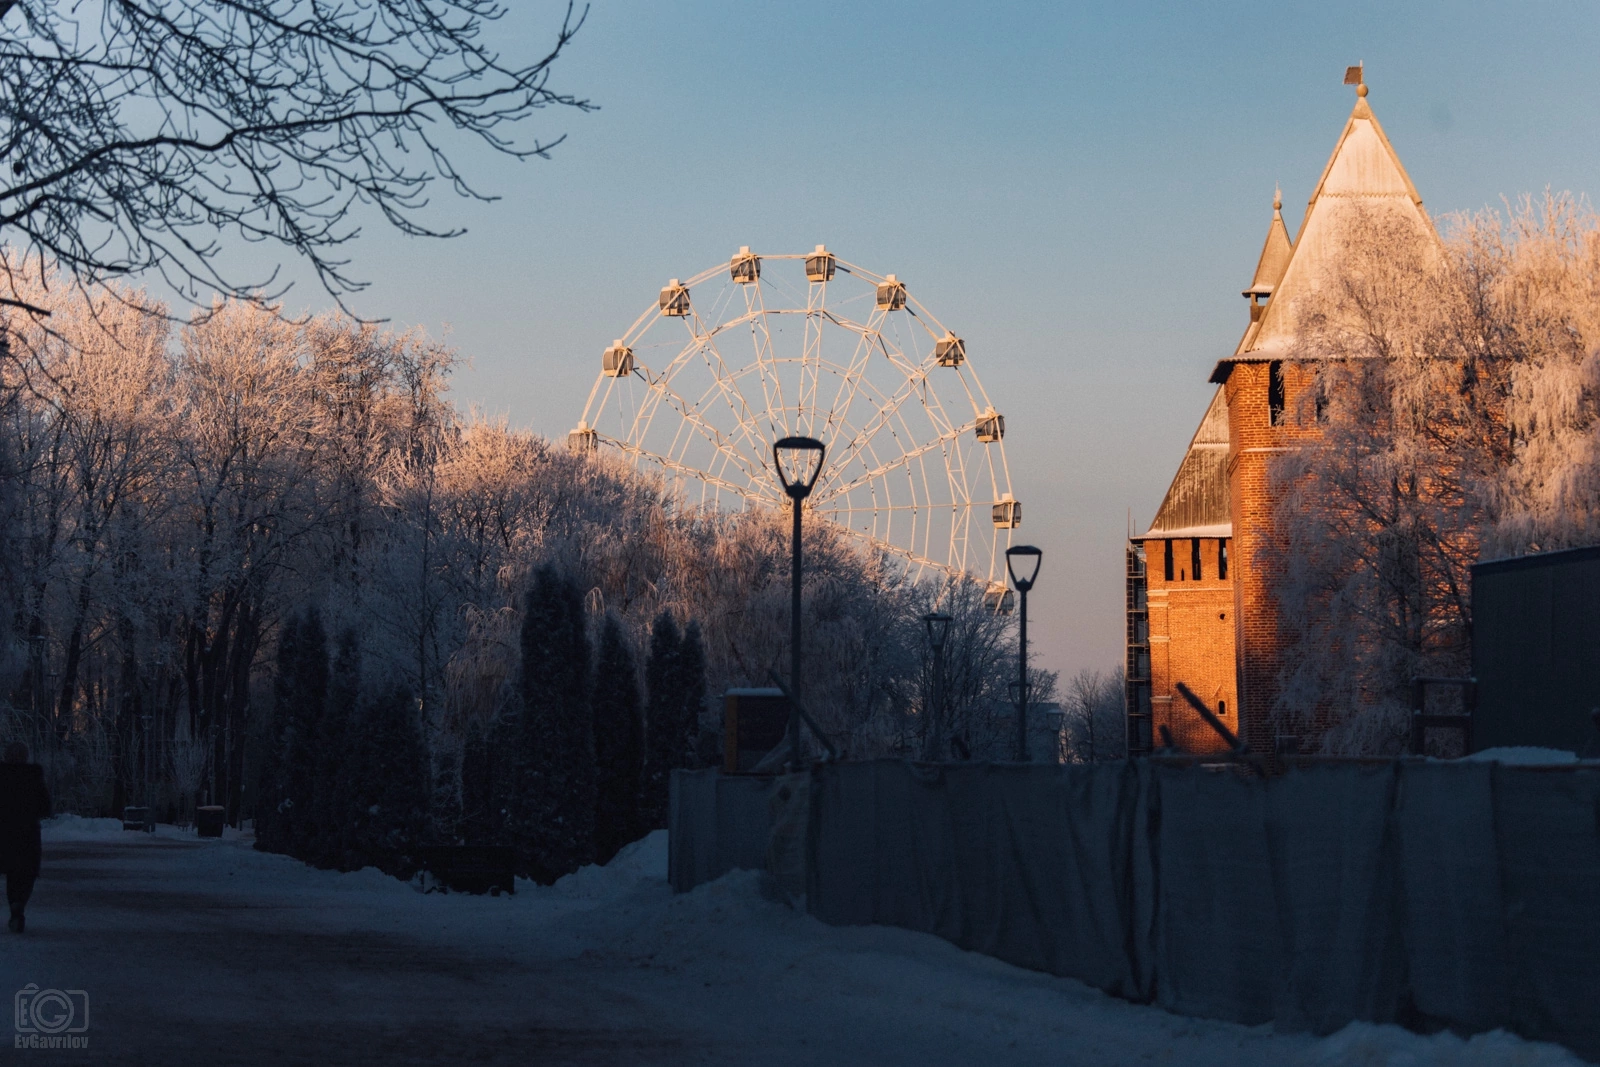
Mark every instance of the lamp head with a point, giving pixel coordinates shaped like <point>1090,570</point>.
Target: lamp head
<point>1022,561</point>
<point>938,624</point>
<point>798,461</point>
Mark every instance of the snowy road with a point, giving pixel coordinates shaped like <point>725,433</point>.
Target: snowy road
<point>197,952</point>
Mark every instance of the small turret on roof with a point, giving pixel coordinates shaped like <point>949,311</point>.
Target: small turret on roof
<point>1276,252</point>
<point>1363,176</point>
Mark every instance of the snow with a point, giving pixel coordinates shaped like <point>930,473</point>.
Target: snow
<point>78,828</point>
<point>208,951</point>
<point>1525,756</point>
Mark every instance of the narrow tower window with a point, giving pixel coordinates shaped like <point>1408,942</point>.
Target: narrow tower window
<point>1275,393</point>
<point>1222,559</point>
<point>1194,558</point>
<point>1167,561</point>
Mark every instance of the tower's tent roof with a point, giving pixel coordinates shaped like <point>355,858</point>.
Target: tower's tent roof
<point>1363,176</point>
<point>1196,503</point>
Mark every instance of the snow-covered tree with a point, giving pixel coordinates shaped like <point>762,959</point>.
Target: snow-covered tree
<point>1458,396</point>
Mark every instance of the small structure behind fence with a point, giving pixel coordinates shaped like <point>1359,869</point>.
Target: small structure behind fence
<point>1535,645</point>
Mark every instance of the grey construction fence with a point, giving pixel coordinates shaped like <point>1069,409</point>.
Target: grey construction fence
<point>1431,894</point>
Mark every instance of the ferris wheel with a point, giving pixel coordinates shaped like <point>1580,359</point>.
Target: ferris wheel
<point>725,363</point>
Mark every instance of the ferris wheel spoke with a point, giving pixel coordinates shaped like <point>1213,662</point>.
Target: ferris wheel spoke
<point>725,381</point>
<point>690,415</point>
<point>911,556</point>
<point>850,387</point>
<point>811,352</point>
<point>761,339</point>
<point>702,345</point>
<point>886,414</point>
<point>904,459</point>
<point>868,509</point>
<point>728,383</point>
<point>743,491</point>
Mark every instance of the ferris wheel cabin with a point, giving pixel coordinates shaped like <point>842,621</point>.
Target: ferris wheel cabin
<point>949,350</point>
<point>998,599</point>
<point>745,267</point>
<point>583,440</point>
<point>1007,513</point>
<point>617,361</point>
<point>675,299</point>
<point>991,427</point>
<point>820,265</point>
<point>891,294</point>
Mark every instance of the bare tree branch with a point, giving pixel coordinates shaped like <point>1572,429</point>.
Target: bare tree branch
<point>137,135</point>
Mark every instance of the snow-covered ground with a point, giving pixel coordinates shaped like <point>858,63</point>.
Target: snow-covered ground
<point>196,951</point>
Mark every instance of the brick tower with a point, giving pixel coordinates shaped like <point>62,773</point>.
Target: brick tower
<point>1218,629</point>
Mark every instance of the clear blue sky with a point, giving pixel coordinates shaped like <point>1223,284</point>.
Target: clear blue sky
<point>1080,190</point>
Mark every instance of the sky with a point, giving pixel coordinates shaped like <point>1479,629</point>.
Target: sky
<point>1080,190</point>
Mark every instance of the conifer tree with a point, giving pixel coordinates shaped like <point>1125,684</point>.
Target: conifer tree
<point>665,745</point>
<point>393,782</point>
<point>334,804</point>
<point>618,744</point>
<point>692,675</point>
<point>270,786</point>
<point>552,811</point>
<point>676,678</point>
<point>478,825</point>
<point>299,695</point>
<point>300,756</point>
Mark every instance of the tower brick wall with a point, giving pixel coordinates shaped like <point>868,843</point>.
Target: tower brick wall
<point>1191,641</point>
<point>1254,442</point>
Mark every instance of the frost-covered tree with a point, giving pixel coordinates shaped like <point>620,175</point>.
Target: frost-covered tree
<point>1458,396</point>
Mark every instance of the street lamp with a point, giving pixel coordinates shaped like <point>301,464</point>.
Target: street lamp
<point>938,624</point>
<point>1022,563</point>
<point>798,461</point>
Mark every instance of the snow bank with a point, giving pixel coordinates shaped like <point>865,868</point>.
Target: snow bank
<point>78,828</point>
<point>1525,756</point>
<point>1364,1044</point>
<point>642,863</point>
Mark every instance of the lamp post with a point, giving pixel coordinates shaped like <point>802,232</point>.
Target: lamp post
<point>798,461</point>
<point>1020,559</point>
<point>938,624</point>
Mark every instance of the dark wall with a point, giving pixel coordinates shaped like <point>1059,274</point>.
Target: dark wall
<point>1536,650</point>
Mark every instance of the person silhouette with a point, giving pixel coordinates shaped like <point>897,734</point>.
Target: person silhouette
<point>23,802</point>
